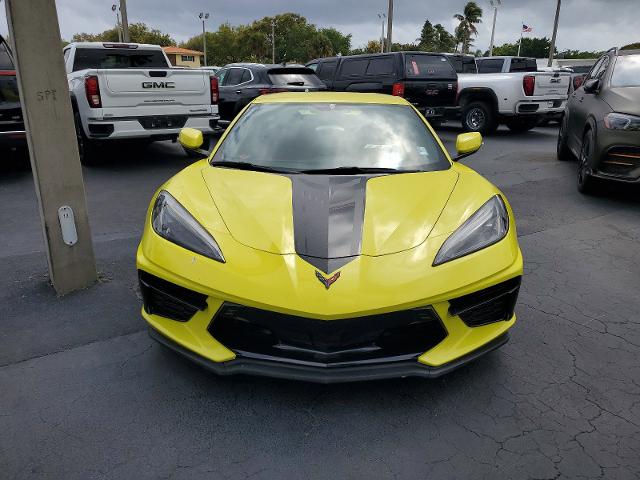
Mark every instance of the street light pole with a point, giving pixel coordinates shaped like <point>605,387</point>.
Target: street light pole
<point>125,21</point>
<point>555,32</point>
<point>273,41</point>
<point>495,4</point>
<point>382,18</point>
<point>204,16</point>
<point>114,8</point>
<point>389,25</point>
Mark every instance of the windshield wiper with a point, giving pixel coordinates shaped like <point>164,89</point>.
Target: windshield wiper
<point>354,170</point>
<point>252,166</point>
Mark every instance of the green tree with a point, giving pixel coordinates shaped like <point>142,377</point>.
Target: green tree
<point>631,46</point>
<point>340,43</point>
<point>138,32</point>
<point>531,47</point>
<point>466,29</point>
<point>446,41</point>
<point>428,40</point>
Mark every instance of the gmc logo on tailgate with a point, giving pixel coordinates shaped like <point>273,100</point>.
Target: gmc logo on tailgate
<point>158,85</point>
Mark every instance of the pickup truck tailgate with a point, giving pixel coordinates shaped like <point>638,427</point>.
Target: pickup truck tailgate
<point>551,84</point>
<point>140,87</point>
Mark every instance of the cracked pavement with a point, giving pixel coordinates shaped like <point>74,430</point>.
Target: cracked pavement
<point>85,394</point>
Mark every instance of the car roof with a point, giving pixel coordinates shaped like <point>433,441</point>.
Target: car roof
<point>331,97</point>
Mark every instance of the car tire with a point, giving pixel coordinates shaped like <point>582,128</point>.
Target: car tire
<point>587,183</point>
<point>521,124</point>
<point>87,148</point>
<point>562,150</point>
<point>479,117</point>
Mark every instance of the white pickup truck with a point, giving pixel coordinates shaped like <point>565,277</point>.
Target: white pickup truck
<point>511,91</point>
<point>128,91</point>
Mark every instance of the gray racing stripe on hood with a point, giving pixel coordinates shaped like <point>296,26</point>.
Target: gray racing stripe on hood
<point>328,213</point>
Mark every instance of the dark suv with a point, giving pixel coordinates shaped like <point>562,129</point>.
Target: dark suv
<point>11,123</point>
<point>601,124</point>
<point>427,80</point>
<point>239,83</point>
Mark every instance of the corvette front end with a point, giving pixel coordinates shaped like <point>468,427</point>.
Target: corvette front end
<point>329,278</point>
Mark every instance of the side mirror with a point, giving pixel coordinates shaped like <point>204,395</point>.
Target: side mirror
<point>467,144</point>
<point>591,86</point>
<point>191,140</point>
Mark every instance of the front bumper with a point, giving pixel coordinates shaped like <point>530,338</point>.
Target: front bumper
<point>617,155</point>
<point>338,374</point>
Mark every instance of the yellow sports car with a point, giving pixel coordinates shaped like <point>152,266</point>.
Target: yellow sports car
<point>329,237</point>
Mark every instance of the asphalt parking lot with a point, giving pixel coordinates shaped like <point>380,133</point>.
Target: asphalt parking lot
<point>84,392</point>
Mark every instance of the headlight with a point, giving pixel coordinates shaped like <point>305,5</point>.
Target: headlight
<point>485,227</point>
<point>621,121</point>
<point>172,221</point>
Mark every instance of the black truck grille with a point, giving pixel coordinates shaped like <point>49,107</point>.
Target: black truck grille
<point>169,300</point>
<point>256,333</point>
<point>493,304</point>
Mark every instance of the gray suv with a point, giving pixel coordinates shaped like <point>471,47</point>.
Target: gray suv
<point>601,124</point>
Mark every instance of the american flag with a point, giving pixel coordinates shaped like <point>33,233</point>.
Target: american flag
<point>526,29</point>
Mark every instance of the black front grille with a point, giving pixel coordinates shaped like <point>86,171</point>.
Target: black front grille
<point>493,304</point>
<point>163,121</point>
<point>259,333</point>
<point>169,300</point>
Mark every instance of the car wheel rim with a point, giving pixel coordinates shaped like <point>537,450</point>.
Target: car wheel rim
<point>584,157</point>
<point>475,118</point>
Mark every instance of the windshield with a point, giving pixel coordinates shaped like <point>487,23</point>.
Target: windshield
<point>321,136</point>
<point>626,72</point>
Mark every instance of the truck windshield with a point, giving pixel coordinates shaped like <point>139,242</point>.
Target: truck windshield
<point>626,72</point>
<point>117,58</point>
<point>325,136</point>
<point>5,59</point>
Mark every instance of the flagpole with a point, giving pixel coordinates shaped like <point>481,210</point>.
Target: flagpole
<point>520,42</point>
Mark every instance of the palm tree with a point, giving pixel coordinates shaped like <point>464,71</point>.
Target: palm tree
<point>471,16</point>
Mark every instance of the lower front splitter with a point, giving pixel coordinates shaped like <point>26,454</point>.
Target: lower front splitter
<point>328,374</point>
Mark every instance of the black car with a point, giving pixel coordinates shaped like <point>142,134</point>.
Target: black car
<point>601,124</point>
<point>239,83</point>
<point>427,80</point>
<point>12,134</point>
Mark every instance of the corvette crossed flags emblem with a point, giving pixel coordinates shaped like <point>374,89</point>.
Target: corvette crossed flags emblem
<point>327,282</point>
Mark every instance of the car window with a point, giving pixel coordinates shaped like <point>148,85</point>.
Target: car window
<point>425,66</point>
<point>596,68</point>
<point>313,66</point>
<point>246,76</point>
<point>234,77</point>
<point>380,66</point>
<point>294,79</point>
<point>117,58</point>
<point>523,65</point>
<point>626,71</point>
<point>310,136</point>
<point>327,70</point>
<point>354,67</point>
<point>469,65</point>
<point>490,65</point>
<point>5,59</point>
<point>603,68</point>
<point>65,54</point>
<point>221,74</point>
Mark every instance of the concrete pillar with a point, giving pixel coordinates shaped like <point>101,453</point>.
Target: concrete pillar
<point>44,91</point>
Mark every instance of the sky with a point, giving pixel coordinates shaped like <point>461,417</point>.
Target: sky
<point>584,24</point>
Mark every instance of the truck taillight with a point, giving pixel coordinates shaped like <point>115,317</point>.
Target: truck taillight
<point>528,85</point>
<point>398,89</point>
<point>215,91</point>
<point>92,89</point>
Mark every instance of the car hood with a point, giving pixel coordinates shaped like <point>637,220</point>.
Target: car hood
<point>329,219</point>
<point>623,99</point>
